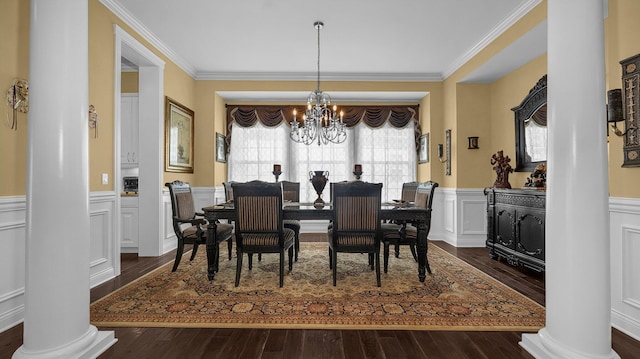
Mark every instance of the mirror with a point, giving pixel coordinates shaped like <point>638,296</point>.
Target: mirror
<point>531,128</point>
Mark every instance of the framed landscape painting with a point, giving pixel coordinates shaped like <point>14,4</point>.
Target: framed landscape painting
<point>423,150</point>
<point>178,137</point>
<point>221,148</point>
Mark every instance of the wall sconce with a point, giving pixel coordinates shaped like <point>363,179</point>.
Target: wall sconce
<point>614,110</point>
<point>473,143</point>
<point>441,153</point>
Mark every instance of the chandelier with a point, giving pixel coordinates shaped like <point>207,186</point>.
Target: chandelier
<point>320,122</point>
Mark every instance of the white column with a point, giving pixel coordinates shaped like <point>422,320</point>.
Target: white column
<point>578,304</point>
<point>56,322</point>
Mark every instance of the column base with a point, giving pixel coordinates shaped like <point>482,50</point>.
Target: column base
<point>89,346</point>
<point>542,346</point>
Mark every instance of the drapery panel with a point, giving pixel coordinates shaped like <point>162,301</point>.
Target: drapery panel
<point>372,116</point>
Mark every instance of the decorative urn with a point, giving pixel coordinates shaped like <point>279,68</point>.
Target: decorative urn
<point>319,179</point>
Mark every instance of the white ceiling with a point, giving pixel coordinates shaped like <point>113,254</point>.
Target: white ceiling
<point>368,40</point>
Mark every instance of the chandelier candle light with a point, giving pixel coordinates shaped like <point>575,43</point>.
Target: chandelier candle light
<point>320,123</point>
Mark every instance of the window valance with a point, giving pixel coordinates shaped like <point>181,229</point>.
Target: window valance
<point>372,116</point>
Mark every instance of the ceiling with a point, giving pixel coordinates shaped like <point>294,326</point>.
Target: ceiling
<point>362,40</point>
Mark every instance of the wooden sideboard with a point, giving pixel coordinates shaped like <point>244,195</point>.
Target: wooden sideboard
<point>516,226</point>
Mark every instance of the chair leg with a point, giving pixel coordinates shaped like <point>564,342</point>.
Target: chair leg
<point>194,251</point>
<point>371,261</point>
<point>334,260</point>
<point>229,245</point>
<point>291,251</point>
<point>413,252</point>
<point>397,250</point>
<point>297,244</point>
<point>259,257</point>
<point>426,264</point>
<point>377,259</point>
<point>250,255</point>
<point>281,267</point>
<point>386,256</point>
<point>238,267</point>
<point>179,252</point>
<point>330,258</point>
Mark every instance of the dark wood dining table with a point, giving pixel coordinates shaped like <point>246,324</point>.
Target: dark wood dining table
<point>307,211</point>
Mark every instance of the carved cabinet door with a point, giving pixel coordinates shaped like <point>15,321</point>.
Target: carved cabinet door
<point>505,231</point>
<point>530,233</point>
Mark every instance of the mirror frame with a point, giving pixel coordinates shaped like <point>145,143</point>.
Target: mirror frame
<point>536,98</point>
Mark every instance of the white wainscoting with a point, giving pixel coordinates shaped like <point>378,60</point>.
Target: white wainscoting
<point>104,261</point>
<point>459,217</point>
<point>625,264</point>
<point>105,251</point>
<point>12,260</point>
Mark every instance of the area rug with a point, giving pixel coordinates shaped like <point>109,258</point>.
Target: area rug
<point>455,297</point>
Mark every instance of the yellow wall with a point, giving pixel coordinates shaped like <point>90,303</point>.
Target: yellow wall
<point>177,85</point>
<point>14,63</point>
<point>481,110</point>
<point>129,82</point>
<point>507,93</point>
<point>622,28</point>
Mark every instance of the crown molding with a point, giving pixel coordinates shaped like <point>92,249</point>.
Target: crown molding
<point>299,76</point>
<point>491,36</point>
<point>149,36</point>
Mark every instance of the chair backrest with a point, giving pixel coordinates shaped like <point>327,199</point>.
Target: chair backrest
<point>424,194</point>
<point>356,206</point>
<point>409,191</point>
<point>228,191</point>
<point>291,191</point>
<point>259,207</point>
<point>182,205</point>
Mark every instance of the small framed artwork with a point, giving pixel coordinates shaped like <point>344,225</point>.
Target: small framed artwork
<point>221,148</point>
<point>423,150</point>
<point>178,130</point>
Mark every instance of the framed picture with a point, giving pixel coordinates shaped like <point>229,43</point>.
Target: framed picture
<point>221,148</point>
<point>423,151</point>
<point>178,129</point>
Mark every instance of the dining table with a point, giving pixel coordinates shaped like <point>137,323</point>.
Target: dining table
<point>420,217</point>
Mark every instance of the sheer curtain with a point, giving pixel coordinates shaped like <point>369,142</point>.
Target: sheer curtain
<point>254,150</point>
<point>387,155</point>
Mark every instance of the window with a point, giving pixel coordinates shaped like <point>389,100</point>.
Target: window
<point>387,155</point>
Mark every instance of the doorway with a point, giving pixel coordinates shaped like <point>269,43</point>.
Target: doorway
<point>150,146</point>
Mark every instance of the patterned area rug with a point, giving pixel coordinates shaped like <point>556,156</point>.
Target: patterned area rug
<point>455,297</point>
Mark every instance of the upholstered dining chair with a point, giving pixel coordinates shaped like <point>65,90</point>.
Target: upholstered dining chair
<point>259,224</point>
<point>228,197</point>
<point>355,223</point>
<point>409,191</point>
<point>291,192</point>
<point>188,225</point>
<point>398,234</point>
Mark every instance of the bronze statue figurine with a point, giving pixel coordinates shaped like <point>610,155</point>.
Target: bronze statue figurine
<point>503,168</point>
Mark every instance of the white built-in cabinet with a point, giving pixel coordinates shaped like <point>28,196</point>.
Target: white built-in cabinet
<point>129,224</point>
<point>129,130</point>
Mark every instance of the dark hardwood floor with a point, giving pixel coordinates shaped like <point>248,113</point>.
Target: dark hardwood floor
<point>168,343</point>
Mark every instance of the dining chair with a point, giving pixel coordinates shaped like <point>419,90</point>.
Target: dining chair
<point>188,225</point>
<point>228,198</point>
<point>259,224</point>
<point>398,234</point>
<point>409,191</point>
<point>355,223</point>
<point>291,192</point>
